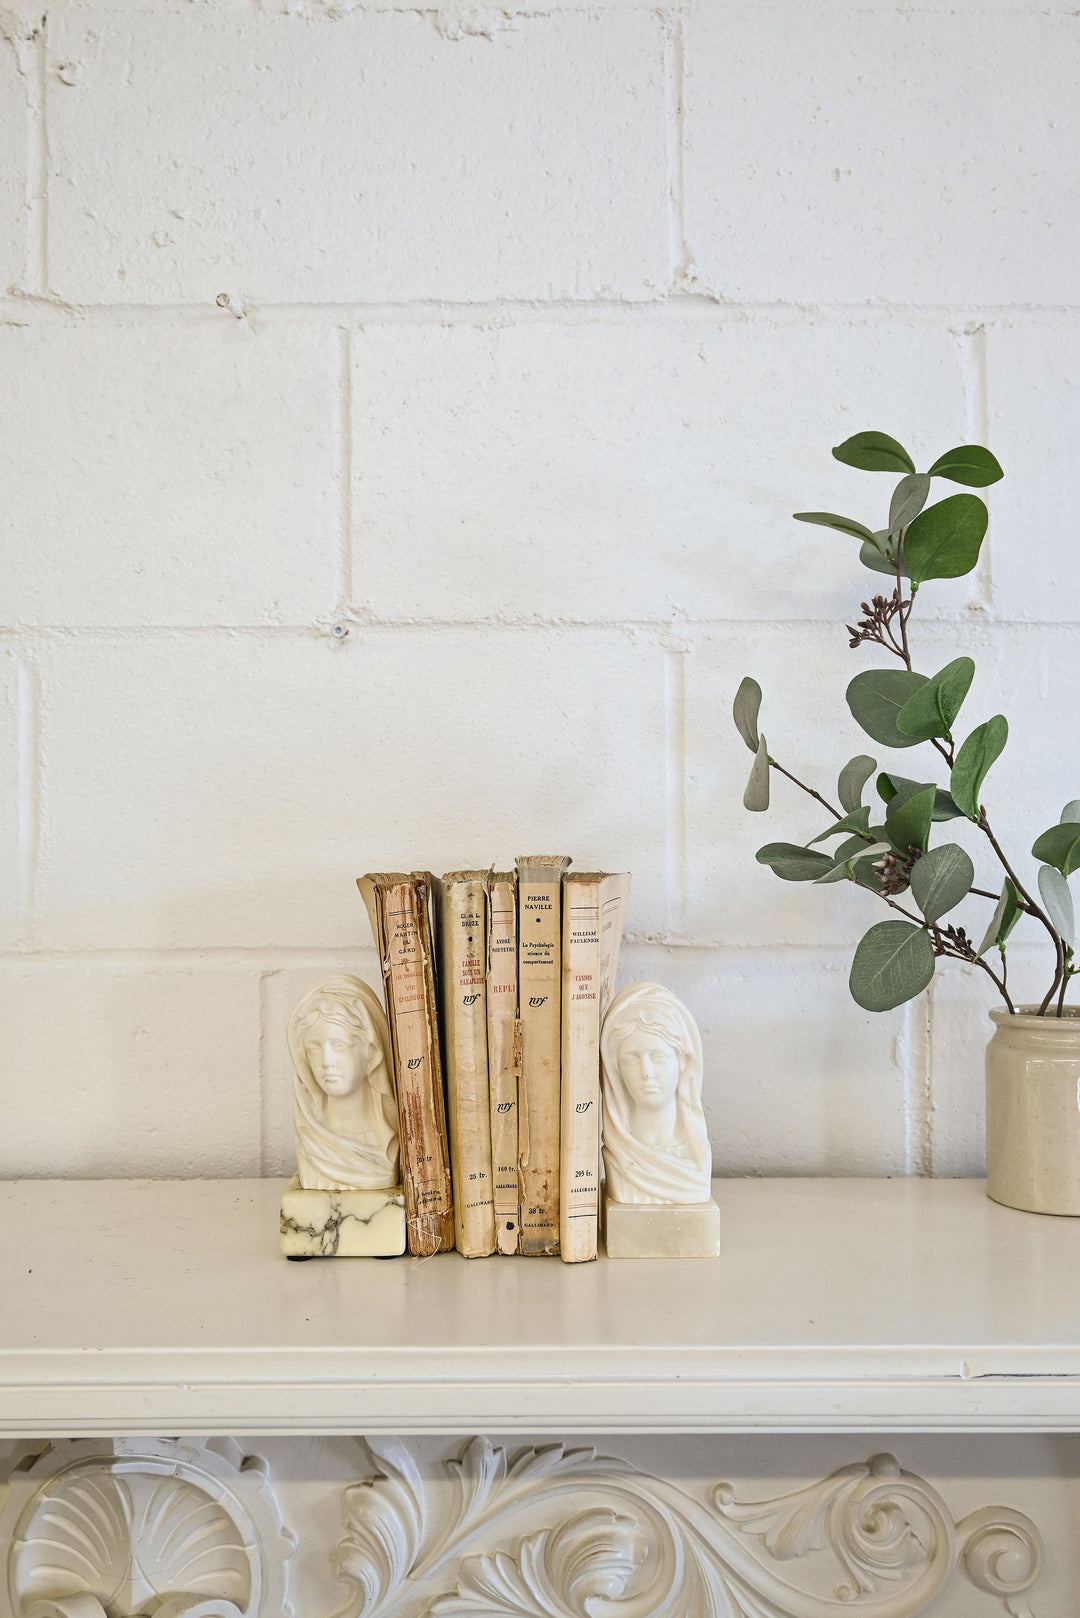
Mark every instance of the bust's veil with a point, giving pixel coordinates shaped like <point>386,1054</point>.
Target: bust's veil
<point>326,1160</point>
<point>642,1173</point>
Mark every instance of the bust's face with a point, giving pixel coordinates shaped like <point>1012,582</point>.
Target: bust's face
<point>338,1057</point>
<point>649,1069</point>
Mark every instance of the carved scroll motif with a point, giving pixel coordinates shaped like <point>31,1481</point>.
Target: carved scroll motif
<point>141,1526</point>
<point>557,1533</point>
<point>178,1529</point>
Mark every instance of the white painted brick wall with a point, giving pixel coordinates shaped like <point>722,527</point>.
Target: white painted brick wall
<point>168,474</point>
<point>17,59</point>
<point>541,323</point>
<point>380,154</point>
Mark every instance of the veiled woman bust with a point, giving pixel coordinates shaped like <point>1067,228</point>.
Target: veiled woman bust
<point>656,1148</point>
<point>343,1086</point>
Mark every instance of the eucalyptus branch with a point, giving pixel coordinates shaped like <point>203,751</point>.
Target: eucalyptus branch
<point>837,814</point>
<point>926,539</point>
<point>1060,968</point>
<point>1029,904</point>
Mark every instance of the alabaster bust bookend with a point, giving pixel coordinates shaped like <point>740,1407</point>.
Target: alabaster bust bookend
<point>657,1159</point>
<point>345,1200</point>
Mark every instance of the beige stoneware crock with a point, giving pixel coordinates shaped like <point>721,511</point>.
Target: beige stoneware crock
<point>1033,1111</point>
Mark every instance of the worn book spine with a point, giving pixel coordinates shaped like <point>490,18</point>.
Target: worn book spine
<point>593,909</point>
<point>540,1003</point>
<point>398,907</point>
<point>614,902</point>
<point>461,910</point>
<point>504,1055</point>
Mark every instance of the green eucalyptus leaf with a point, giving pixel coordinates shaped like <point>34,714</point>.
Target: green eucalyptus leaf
<point>943,541</point>
<point>864,859</point>
<point>1071,811</point>
<point>1005,917</point>
<point>894,962</point>
<point>840,872</point>
<point>829,519</point>
<point>909,497</point>
<point>853,777</point>
<point>945,805</point>
<point>941,879</point>
<point>874,452</point>
<point>877,554</point>
<point>933,708</point>
<point>889,785</point>
<point>756,796</point>
<point>744,711</point>
<point>792,863</point>
<point>876,697</point>
<point>1060,847</point>
<point>907,824</point>
<point>903,790</point>
<point>852,846</point>
<point>973,760</point>
<point>858,820</point>
<point>848,860</point>
<point>967,463</point>
<point>1058,903</point>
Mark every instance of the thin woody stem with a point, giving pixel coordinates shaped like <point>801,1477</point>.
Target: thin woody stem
<point>1032,908</point>
<point>892,904</point>
<point>905,652</point>
<point>944,948</point>
<point>999,981</point>
<point>1061,994</point>
<point>837,814</point>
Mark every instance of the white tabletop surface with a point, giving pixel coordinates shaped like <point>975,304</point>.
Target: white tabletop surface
<point>871,1305</point>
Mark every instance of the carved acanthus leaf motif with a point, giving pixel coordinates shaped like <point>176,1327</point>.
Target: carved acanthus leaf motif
<point>878,1527</point>
<point>594,1556</point>
<point>384,1519</point>
<point>639,1547</point>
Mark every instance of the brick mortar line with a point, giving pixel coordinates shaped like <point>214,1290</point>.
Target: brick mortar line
<point>343,569</point>
<point>675,761</point>
<point>674,49</point>
<point>657,630</point>
<point>971,345</point>
<point>34,310</point>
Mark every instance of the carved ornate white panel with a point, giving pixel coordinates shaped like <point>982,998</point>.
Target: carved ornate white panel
<point>569,1533</point>
<point>437,1529</point>
<point>116,1530</point>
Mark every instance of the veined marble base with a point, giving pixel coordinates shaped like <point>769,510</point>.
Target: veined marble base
<point>661,1230</point>
<point>341,1224</point>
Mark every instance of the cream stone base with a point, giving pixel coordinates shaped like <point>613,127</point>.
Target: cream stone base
<point>656,1230</point>
<point>341,1224</point>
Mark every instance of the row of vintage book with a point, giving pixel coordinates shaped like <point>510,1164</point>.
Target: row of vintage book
<point>496,983</point>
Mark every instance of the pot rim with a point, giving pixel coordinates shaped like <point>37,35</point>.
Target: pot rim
<point>1028,1017</point>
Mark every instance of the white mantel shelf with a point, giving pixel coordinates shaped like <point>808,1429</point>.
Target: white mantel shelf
<point>838,1305</point>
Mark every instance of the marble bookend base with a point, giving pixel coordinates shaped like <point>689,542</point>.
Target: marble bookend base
<point>661,1230</point>
<point>342,1224</point>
